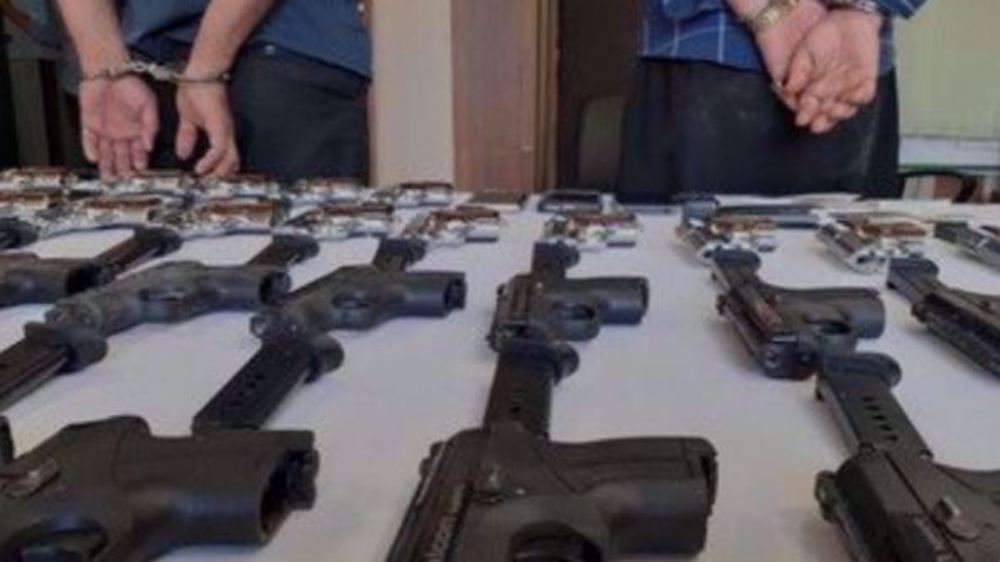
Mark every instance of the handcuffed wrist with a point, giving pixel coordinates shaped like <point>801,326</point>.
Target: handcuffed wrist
<point>866,6</point>
<point>110,72</point>
<point>770,15</point>
<point>158,72</point>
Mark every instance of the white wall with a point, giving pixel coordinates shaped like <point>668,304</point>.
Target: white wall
<point>413,119</point>
<point>949,70</point>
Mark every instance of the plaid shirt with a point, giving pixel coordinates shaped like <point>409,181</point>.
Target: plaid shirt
<point>707,30</point>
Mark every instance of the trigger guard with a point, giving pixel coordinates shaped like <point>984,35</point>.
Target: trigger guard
<point>870,365</point>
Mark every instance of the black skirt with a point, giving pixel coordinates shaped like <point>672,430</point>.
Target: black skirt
<point>699,127</point>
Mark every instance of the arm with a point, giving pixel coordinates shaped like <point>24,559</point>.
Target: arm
<point>224,28</point>
<point>204,105</point>
<point>93,27</point>
<point>118,118</point>
<point>778,43</point>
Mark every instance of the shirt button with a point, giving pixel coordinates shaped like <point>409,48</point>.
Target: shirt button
<point>270,50</point>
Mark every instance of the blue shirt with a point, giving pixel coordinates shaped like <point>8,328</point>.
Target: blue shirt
<point>707,30</point>
<point>327,30</point>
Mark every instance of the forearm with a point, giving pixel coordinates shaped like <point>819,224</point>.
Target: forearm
<point>224,28</point>
<point>96,34</point>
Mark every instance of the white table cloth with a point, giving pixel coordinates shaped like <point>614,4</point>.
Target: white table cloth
<point>411,382</point>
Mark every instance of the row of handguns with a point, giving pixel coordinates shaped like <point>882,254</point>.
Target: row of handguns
<point>891,501</point>
<point>967,320</point>
<point>863,239</point>
<point>110,491</point>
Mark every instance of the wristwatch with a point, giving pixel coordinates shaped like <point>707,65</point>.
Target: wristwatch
<point>867,6</point>
<point>769,15</point>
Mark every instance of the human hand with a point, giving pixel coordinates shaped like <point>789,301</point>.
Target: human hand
<point>205,107</point>
<point>835,70</point>
<point>92,95</point>
<point>779,42</point>
<point>119,121</point>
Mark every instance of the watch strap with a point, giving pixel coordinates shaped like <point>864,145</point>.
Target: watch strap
<point>769,15</point>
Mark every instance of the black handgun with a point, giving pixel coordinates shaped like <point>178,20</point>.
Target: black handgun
<point>75,331</point>
<point>968,321</point>
<point>360,297</point>
<point>296,345</point>
<point>890,500</point>
<point>786,330</point>
<point>110,491</point>
<point>504,491</point>
<point>545,304</point>
<point>26,278</point>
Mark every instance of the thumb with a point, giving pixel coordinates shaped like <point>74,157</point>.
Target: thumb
<point>187,137</point>
<point>219,135</point>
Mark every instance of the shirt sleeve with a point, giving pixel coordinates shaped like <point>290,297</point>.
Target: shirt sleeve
<point>901,8</point>
<point>685,9</point>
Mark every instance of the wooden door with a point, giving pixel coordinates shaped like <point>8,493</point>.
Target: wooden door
<point>502,63</point>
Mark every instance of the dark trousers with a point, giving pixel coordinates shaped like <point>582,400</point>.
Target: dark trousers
<point>699,127</point>
<point>295,118</point>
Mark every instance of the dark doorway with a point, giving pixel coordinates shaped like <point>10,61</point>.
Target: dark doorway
<point>597,53</point>
<point>8,136</point>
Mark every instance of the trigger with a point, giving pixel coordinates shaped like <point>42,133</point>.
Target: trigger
<point>66,546</point>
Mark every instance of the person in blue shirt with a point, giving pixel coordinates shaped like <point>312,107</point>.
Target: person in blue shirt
<point>267,86</point>
<point>769,97</point>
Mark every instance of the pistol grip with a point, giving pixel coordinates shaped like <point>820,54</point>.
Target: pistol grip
<point>432,294</point>
<point>837,317</point>
<point>124,494</point>
<point>27,279</point>
<point>576,309</point>
<point>623,300</point>
<point>656,494</point>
